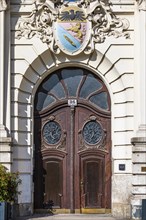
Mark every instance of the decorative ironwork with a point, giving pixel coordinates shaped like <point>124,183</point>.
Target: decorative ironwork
<point>72,27</point>
<point>51,132</point>
<point>92,132</point>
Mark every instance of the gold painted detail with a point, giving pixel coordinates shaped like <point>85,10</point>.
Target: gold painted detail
<point>77,211</point>
<point>76,28</point>
<point>69,40</point>
<point>95,211</point>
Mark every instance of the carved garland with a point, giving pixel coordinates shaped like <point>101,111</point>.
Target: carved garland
<point>45,12</point>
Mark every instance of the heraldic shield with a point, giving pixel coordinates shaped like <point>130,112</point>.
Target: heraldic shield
<point>72,30</point>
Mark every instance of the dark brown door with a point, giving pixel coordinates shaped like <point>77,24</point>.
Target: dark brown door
<point>72,147</point>
<point>73,159</point>
<point>93,156</point>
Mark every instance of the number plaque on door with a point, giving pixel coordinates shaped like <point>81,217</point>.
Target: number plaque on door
<point>72,102</point>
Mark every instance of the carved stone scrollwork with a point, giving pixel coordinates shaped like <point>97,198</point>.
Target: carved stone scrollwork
<point>107,24</point>
<point>3,5</point>
<point>141,4</point>
<point>88,21</point>
<point>38,23</point>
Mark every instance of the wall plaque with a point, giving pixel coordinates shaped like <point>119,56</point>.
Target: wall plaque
<point>143,169</point>
<point>122,167</point>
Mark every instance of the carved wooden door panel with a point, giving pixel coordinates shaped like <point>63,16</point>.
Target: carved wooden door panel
<point>72,161</point>
<point>51,183</point>
<point>93,156</point>
<point>92,178</point>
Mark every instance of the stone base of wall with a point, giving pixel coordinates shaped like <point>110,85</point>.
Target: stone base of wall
<point>139,176</point>
<point>121,194</point>
<point>24,209</point>
<point>136,209</point>
<point>121,210</point>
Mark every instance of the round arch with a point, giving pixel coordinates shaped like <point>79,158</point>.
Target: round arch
<point>30,81</point>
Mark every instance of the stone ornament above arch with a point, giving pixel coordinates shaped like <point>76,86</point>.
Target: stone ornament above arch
<point>72,26</point>
<point>32,77</point>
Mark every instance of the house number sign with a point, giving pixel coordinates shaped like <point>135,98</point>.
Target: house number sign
<point>72,102</point>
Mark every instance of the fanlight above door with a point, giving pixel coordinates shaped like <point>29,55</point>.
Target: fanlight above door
<point>72,83</point>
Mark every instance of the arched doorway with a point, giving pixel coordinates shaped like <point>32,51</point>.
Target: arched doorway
<point>72,137</point>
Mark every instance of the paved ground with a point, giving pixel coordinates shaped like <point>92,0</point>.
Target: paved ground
<point>70,217</point>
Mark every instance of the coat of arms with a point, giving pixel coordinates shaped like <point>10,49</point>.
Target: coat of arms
<point>72,30</point>
<point>72,26</point>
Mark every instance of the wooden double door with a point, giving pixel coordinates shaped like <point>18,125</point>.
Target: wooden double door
<point>72,159</point>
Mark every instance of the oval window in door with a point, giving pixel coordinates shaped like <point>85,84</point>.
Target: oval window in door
<point>52,132</point>
<point>92,132</point>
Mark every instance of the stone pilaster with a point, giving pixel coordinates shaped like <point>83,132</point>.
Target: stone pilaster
<point>139,141</point>
<point>139,175</point>
<point>3,6</point>
<point>5,141</point>
<point>140,68</point>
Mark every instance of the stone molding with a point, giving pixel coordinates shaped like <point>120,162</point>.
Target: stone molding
<point>3,5</point>
<point>139,166</point>
<point>140,140</point>
<point>98,13</point>
<point>5,140</point>
<point>6,151</point>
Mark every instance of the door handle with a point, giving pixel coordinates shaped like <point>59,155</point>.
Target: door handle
<point>82,183</point>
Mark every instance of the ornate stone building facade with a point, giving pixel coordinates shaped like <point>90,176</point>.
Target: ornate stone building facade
<point>73,104</point>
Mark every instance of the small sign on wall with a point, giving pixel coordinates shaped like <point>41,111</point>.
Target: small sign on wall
<point>122,167</point>
<point>143,169</point>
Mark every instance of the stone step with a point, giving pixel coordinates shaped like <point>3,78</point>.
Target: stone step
<point>69,217</point>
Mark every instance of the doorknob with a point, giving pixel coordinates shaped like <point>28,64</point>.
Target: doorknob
<point>60,195</point>
<point>82,183</point>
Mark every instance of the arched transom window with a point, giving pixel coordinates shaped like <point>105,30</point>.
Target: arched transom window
<point>72,83</point>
